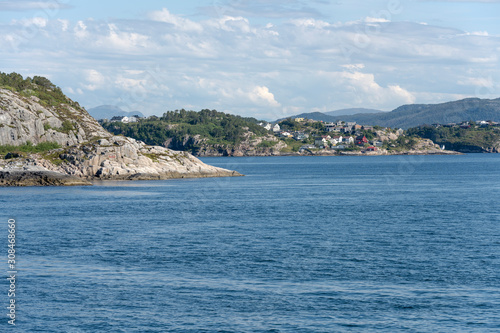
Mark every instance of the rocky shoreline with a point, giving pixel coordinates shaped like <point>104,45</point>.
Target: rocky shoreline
<point>51,178</point>
<point>87,151</point>
<point>325,152</point>
<point>39,178</point>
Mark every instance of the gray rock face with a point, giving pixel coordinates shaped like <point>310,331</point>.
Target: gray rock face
<point>88,151</point>
<point>24,119</point>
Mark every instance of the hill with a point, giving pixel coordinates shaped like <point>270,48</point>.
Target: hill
<point>45,135</point>
<point>413,115</point>
<point>470,138</point>
<point>109,111</point>
<point>419,114</point>
<point>318,116</point>
<point>351,111</point>
<point>202,133</point>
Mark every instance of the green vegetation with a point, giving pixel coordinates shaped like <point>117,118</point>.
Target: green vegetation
<point>67,126</point>
<point>38,86</point>
<point>266,144</point>
<point>457,138</point>
<point>402,143</point>
<point>292,145</point>
<point>214,128</point>
<point>28,147</point>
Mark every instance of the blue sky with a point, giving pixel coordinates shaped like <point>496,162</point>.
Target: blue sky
<point>266,59</point>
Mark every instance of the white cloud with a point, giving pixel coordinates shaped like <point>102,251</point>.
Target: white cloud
<point>122,40</point>
<point>64,24</point>
<point>39,22</point>
<point>178,22</point>
<point>310,23</point>
<point>262,96</point>
<point>354,66</point>
<point>94,78</point>
<point>80,30</point>
<point>365,89</point>
<point>376,20</point>
<point>21,5</point>
<point>245,66</point>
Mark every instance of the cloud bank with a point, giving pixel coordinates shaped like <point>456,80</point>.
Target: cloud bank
<point>166,61</point>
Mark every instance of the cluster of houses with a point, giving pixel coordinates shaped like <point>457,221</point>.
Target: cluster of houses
<point>333,141</point>
<point>339,142</point>
<point>468,124</point>
<point>345,127</point>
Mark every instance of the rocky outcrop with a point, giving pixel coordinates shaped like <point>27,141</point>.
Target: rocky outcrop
<point>250,146</point>
<point>39,178</point>
<point>25,119</point>
<point>87,150</point>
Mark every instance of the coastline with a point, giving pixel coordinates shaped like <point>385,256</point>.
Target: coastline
<point>325,152</point>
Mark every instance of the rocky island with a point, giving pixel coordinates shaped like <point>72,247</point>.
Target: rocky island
<point>51,140</point>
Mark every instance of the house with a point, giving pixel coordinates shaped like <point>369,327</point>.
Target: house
<point>367,128</point>
<point>298,119</point>
<point>337,137</point>
<point>333,142</point>
<point>348,140</point>
<point>276,128</point>
<point>300,136</point>
<point>361,140</point>
<point>378,143</point>
<point>321,142</point>
<point>305,147</point>
<point>371,148</point>
<point>285,134</point>
<point>118,118</point>
<point>330,126</point>
<point>133,119</point>
<point>334,129</point>
<point>267,126</point>
<point>124,119</point>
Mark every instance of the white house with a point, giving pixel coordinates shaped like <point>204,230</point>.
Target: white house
<point>285,134</point>
<point>276,128</point>
<point>267,126</point>
<point>321,142</point>
<point>348,140</point>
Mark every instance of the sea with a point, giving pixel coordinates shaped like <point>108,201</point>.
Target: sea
<point>299,244</point>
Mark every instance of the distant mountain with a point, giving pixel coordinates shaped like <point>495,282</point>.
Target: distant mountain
<point>313,116</point>
<point>412,115</point>
<point>351,111</point>
<point>109,111</point>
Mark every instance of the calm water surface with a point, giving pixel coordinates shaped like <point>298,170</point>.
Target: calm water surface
<point>301,244</point>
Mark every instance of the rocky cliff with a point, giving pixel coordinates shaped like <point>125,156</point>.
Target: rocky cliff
<point>87,150</point>
<point>251,145</point>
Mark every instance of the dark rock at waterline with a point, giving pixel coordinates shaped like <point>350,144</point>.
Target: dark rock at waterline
<point>39,178</point>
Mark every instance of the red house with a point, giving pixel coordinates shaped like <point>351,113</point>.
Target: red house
<point>361,140</point>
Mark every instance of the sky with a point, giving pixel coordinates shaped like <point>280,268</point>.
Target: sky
<point>266,59</point>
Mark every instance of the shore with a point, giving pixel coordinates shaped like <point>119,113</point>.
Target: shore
<point>330,152</point>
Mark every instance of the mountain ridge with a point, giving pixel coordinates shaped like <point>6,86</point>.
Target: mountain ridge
<point>412,115</point>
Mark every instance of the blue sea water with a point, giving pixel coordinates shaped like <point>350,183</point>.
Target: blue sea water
<point>300,244</point>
